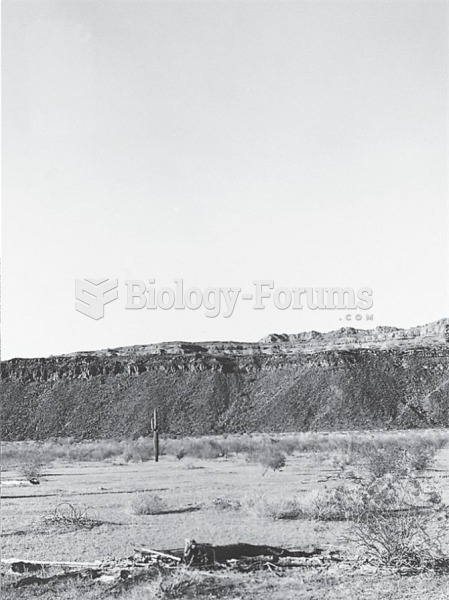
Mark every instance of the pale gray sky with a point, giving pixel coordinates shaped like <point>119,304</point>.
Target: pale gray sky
<point>221,142</point>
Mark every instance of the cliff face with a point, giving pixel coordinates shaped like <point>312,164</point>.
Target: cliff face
<point>338,380</point>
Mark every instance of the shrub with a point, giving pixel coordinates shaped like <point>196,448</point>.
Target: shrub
<point>69,515</point>
<point>147,504</point>
<point>401,522</point>
<point>191,466</point>
<point>140,450</point>
<point>94,451</point>
<point>32,467</point>
<point>181,583</point>
<point>422,454</point>
<point>376,495</point>
<point>238,445</point>
<point>272,508</point>
<point>180,454</point>
<point>287,445</point>
<point>399,453</point>
<point>226,504</point>
<point>380,461</point>
<point>349,501</point>
<point>410,540</point>
<point>380,452</point>
<point>204,449</point>
<point>338,504</point>
<point>269,457</point>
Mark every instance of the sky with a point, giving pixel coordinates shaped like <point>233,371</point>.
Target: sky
<point>220,142</point>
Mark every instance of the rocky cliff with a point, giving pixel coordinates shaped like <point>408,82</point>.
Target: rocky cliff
<point>345,379</point>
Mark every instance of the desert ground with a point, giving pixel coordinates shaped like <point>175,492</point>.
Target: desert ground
<point>97,501</point>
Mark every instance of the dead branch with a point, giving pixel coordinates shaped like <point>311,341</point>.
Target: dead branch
<point>158,553</point>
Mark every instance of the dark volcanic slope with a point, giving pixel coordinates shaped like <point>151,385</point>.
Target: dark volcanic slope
<point>346,379</point>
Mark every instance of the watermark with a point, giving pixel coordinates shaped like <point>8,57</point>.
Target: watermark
<point>358,317</point>
<point>93,294</point>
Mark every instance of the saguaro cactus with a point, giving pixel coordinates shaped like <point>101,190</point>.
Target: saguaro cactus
<point>155,430</point>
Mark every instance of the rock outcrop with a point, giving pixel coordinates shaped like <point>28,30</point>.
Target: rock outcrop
<point>345,379</point>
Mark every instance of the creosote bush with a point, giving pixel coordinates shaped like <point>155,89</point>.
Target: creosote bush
<point>410,537</point>
<point>273,508</point>
<point>352,501</point>
<point>226,504</point>
<point>326,505</point>
<point>411,540</point>
<point>269,457</point>
<point>140,450</point>
<point>206,450</point>
<point>32,467</point>
<point>180,454</point>
<point>395,454</point>
<point>145,503</point>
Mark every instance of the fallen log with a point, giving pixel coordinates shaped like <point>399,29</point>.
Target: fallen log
<point>242,557</point>
<point>196,554</point>
<point>21,565</point>
<point>255,563</point>
<point>35,580</point>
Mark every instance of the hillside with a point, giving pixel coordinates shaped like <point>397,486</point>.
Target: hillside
<point>345,379</point>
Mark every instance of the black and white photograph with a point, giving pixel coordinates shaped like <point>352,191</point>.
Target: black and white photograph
<point>224,300</point>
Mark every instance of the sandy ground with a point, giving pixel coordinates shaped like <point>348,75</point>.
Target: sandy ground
<point>189,487</point>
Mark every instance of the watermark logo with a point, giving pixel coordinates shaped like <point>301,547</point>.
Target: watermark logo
<point>92,295</point>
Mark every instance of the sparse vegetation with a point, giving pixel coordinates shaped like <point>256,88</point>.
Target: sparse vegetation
<point>32,467</point>
<point>177,584</point>
<point>367,493</point>
<point>69,515</point>
<point>400,456</point>
<point>410,540</point>
<point>206,449</point>
<point>272,508</point>
<point>269,457</point>
<point>383,451</point>
<point>226,504</point>
<point>140,450</point>
<point>337,504</point>
<point>180,454</point>
<point>147,504</point>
